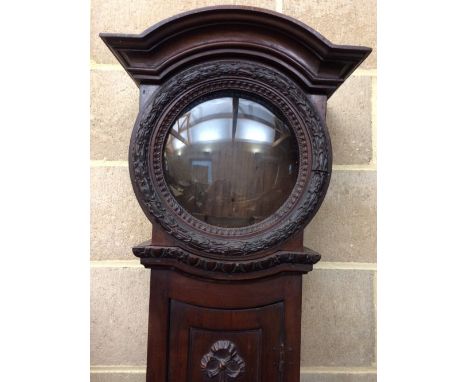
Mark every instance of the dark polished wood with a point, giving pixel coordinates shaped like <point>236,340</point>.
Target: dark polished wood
<point>260,317</point>
<point>226,264</point>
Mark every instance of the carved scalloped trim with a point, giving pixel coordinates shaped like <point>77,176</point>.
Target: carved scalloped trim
<point>224,266</point>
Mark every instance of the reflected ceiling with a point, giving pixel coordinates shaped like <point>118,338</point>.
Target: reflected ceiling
<point>230,161</point>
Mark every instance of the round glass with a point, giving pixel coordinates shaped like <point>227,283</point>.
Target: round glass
<point>231,162</point>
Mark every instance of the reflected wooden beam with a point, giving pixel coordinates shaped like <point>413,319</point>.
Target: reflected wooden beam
<point>279,140</point>
<point>179,137</point>
<point>240,115</point>
<point>235,110</point>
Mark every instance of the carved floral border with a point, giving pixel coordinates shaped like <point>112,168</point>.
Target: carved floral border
<point>152,127</point>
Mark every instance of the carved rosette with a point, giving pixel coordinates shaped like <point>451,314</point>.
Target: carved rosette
<point>222,363</point>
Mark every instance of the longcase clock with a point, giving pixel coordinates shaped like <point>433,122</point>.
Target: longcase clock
<point>230,159</point>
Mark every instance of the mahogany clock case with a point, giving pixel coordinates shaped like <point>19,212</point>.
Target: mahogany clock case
<point>230,159</point>
<point>244,53</point>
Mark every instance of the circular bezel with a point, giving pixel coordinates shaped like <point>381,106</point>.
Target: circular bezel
<point>257,82</point>
<point>158,163</point>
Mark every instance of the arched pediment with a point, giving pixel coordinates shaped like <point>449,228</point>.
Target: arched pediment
<point>235,32</point>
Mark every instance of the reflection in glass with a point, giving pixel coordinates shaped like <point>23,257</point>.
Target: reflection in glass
<point>230,162</point>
